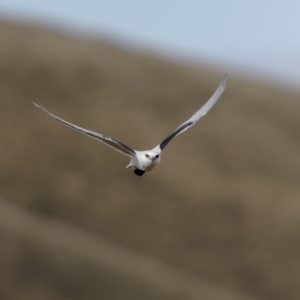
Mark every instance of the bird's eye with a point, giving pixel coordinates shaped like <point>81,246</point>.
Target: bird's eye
<point>147,155</point>
<point>156,156</point>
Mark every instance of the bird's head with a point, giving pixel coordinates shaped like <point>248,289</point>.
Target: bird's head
<point>152,156</point>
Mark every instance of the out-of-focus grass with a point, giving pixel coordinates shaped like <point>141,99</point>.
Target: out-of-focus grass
<point>44,259</point>
<point>223,204</point>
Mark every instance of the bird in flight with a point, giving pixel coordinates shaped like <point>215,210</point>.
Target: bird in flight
<point>145,161</point>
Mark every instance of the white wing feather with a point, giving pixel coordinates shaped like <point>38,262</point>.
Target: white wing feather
<point>118,146</point>
<point>198,115</point>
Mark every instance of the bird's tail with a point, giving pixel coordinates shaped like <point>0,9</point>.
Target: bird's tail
<point>130,166</point>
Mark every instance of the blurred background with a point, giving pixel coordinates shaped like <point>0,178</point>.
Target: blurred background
<point>218,219</point>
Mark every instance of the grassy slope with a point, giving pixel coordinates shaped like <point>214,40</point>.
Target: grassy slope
<point>56,261</point>
<point>224,203</point>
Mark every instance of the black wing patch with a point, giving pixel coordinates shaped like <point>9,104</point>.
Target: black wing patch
<point>118,146</point>
<point>111,139</point>
<point>165,142</point>
<point>95,136</point>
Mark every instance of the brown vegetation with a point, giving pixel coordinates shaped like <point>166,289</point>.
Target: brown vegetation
<point>224,203</point>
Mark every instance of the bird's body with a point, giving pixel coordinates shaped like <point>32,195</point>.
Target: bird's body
<point>145,161</point>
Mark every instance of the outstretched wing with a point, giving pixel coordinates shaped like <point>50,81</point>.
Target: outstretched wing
<point>100,137</point>
<point>198,115</point>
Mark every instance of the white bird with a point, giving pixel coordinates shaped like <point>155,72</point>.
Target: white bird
<point>145,161</point>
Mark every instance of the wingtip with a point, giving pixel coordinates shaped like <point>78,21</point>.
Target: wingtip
<point>224,80</point>
<point>39,106</point>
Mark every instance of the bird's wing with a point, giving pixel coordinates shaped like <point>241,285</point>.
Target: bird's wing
<point>198,115</point>
<point>100,137</point>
